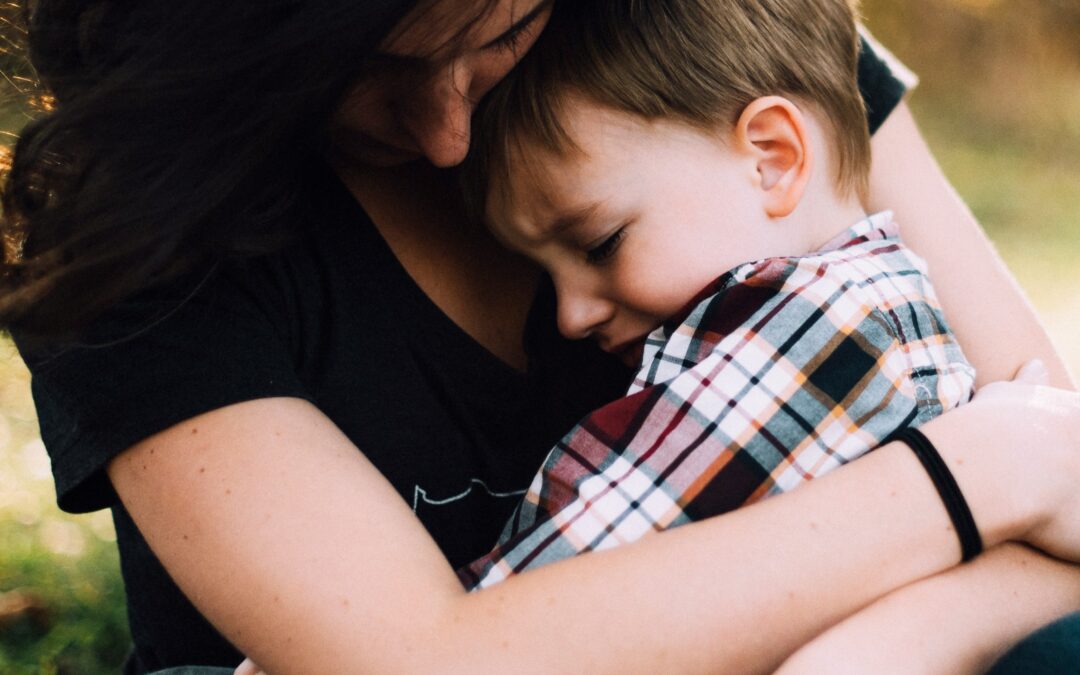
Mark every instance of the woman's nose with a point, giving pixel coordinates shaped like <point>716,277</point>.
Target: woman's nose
<point>440,124</point>
<point>581,314</point>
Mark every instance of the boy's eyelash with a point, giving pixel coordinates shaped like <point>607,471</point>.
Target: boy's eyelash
<point>605,249</point>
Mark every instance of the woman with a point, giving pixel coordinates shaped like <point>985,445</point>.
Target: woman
<point>192,143</point>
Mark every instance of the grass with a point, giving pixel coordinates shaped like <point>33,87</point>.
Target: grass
<point>61,598</point>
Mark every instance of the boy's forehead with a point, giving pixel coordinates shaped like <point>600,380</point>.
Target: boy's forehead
<point>529,194</point>
<point>548,187</point>
<point>536,207</point>
<point>547,176</point>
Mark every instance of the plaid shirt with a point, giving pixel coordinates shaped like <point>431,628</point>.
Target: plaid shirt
<point>780,371</point>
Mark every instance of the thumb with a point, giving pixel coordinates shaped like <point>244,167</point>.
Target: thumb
<point>1033,372</point>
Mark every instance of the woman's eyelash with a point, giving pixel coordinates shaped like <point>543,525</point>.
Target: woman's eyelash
<point>511,41</point>
<point>606,248</point>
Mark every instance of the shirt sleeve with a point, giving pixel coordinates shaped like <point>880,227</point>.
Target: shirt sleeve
<point>883,79</point>
<point>152,363</point>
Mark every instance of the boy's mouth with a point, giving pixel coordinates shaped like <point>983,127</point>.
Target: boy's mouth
<point>629,352</point>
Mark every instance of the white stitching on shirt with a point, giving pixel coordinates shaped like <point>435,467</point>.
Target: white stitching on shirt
<point>420,493</point>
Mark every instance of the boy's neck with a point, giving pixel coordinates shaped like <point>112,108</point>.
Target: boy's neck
<point>825,208</point>
<point>822,214</point>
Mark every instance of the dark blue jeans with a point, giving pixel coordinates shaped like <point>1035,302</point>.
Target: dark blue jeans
<point>1053,650</point>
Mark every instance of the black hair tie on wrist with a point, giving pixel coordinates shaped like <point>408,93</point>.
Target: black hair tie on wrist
<point>970,541</point>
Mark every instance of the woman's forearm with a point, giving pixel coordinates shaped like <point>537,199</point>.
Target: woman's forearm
<point>807,559</point>
<point>303,556</point>
<point>957,622</point>
<point>985,307</point>
<point>740,592</point>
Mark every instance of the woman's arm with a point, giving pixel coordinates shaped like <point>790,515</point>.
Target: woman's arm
<point>994,322</point>
<point>960,621</point>
<point>998,329</point>
<point>267,505</point>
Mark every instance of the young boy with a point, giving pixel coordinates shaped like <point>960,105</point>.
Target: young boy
<point>642,155</point>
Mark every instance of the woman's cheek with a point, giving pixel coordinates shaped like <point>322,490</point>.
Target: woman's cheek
<point>489,71</point>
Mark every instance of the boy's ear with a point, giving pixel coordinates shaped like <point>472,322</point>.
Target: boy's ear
<point>773,130</point>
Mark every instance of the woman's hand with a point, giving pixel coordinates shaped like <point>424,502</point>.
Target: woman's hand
<point>1051,424</point>
<point>1015,452</point>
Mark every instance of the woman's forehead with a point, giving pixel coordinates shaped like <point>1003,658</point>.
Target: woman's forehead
<point>434,29</point>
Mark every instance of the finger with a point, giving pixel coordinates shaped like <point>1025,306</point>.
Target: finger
<point>1033,372</point>
<point>248,667</point>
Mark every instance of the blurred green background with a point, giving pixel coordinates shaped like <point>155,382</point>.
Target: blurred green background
<point>999,101</point>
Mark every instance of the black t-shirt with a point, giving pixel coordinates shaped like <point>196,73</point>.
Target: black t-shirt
<point>333,319</point>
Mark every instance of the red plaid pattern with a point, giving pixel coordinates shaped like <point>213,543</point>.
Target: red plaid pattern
<point>780,371</point>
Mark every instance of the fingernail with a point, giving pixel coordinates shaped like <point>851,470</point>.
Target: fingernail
<point>1036,368</point>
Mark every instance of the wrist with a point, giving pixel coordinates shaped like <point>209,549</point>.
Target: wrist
<point>944,482</point>
<point>978,451</point>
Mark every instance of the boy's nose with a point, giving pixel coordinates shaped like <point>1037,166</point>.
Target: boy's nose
<point>580,314</point>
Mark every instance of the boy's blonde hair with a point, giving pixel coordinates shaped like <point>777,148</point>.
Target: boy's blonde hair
<point>696,61</point>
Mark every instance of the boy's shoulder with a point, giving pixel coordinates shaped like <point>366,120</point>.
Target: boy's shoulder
<point>863,253</point>
<point>869,254</point>
<point>854,285</point>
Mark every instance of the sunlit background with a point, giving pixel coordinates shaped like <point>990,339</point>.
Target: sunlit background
<point>999,101</point>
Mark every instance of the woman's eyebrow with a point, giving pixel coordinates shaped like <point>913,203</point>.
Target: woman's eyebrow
<point>519,24</point>
<point>412,60</point>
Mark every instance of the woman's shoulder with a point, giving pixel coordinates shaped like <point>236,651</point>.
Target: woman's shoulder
<point>883,79</point>
<point>153,360</point>
<point>228,331</point>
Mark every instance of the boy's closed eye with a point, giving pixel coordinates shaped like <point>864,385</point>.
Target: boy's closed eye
<point>603,251</point>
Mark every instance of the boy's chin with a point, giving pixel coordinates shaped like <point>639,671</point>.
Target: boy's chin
<point>632,353</point>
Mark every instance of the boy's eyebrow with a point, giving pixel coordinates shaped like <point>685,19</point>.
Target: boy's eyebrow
<point>572,219</point>
<point>518,25</point>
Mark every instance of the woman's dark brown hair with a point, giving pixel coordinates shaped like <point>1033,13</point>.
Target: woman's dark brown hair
<point>177,134</point>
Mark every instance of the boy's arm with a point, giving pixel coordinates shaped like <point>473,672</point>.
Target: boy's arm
<point>960,621</point>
